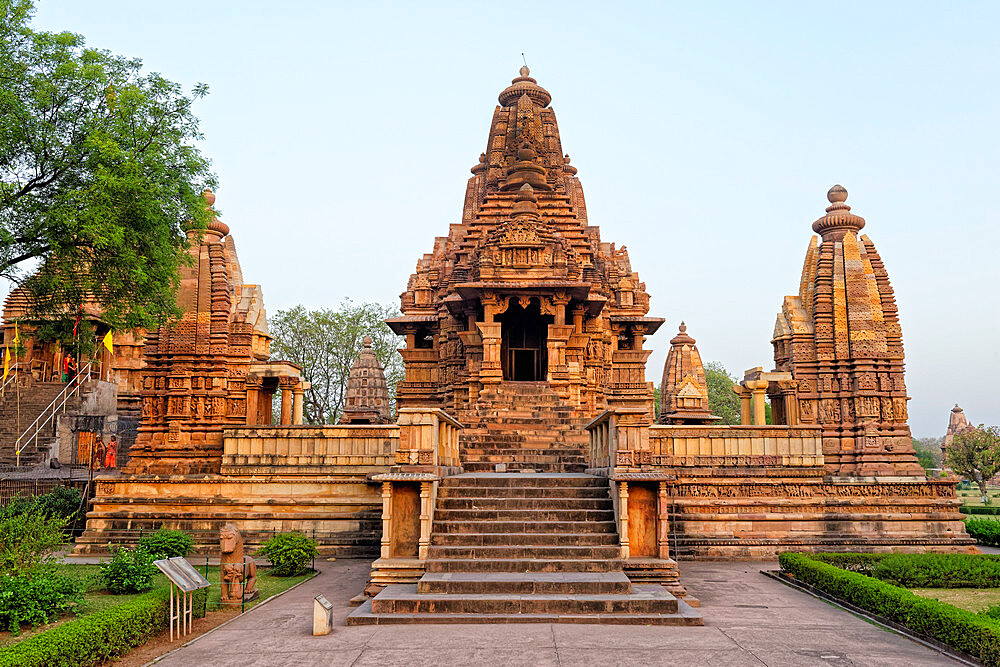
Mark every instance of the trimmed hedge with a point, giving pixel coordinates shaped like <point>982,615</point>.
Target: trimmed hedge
<point>863,563</point>
<point>978,509</point>
<point>975,634</point>
<point>105,635</point>
<point>938,571</point>
<point>985,531</point>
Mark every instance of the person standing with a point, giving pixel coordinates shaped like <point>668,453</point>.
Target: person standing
<point>111,458</point>
<point>100,451</point>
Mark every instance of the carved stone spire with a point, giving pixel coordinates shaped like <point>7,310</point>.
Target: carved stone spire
<point>367,396</point>
<point>684,390</point>
<point>841,340</point>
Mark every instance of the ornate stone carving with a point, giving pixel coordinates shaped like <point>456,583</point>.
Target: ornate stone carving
<point>840,335</point>
<point>237,572</point>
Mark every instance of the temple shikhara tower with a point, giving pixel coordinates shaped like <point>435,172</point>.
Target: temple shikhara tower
<point>841,341</point>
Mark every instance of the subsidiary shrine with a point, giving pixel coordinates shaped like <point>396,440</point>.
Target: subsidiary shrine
<point>527,475</point>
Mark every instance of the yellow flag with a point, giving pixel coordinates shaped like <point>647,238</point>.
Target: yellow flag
<point>6,361</point>
<point>108,344</point>
<point>17,334</point>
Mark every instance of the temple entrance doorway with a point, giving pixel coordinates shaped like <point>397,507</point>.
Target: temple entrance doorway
<point>523,335</point>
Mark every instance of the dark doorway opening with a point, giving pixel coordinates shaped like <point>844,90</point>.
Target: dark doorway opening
<point>523,336</point>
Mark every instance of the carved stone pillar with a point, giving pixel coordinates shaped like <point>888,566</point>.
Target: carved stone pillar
<point>386,520</point>
<point>491,371</point>
<point>298,394</point>
<point>758,388</point>
<point>253,392</point>
<point>789,397</point>
<point>623,518</point>
<point>663,522</point>
<point>286,385</point>
<point>744,395</point>
<point>425,520</point>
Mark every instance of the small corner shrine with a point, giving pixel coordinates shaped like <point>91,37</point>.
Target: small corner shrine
<point>526,468</point>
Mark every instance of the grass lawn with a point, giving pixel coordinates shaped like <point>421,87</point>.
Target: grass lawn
<point>96,599</point>
<point>971,599</point>
<point>972,497</point>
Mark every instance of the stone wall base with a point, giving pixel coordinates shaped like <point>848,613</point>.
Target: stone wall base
<point>342,513</point>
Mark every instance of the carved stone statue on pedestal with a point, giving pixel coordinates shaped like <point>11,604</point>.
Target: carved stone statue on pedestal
<point>238,573</point>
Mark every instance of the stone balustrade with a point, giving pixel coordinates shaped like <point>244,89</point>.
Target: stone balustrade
<point>308,449</point>
<point>620,441</point>
<point>427,437</point>
<point>786,446</point>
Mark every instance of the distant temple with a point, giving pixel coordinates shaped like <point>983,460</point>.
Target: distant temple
<point>957,423</point>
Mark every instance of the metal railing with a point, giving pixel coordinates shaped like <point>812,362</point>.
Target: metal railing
<point>49,413</point>
<point>11,378</point>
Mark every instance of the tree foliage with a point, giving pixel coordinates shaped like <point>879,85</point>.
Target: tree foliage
<point>928,452</point>
<point>326,342</point>
<point>975,454</point>
<point>99,175</point>
<point>721,399</point>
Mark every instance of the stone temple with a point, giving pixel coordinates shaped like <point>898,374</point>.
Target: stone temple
<point>527,475</point>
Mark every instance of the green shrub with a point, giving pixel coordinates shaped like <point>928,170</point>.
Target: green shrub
<point>166,543</point>
<point>938,571</point>
<point>289,553</point>
<point>100,637</point>
<point>853,562</point>
<point>985,531</point>
<point>36,597</point>
<point>975,634</point>
<point>128,571</point>
<point>979,509</point>
<point>26,538</point>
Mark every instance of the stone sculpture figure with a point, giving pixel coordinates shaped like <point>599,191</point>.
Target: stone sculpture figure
<point>237,572</point>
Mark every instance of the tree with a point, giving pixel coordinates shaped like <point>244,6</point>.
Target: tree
<point>928,452</point>
<point>721,399</point>
<point>326,342</point>
<point>98,175</point>
<point>975,454</point>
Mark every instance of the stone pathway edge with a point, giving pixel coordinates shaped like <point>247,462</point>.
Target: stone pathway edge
<point>875,619</point>
<point>260,604</point>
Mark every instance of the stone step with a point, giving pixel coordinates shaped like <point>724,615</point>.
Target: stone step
<point>533,503</point>
<point>524,515</point>
<point>686,616</point>
<point>523,480</point>
<point>404,599</point>
<point>534,552</point>
<point>525,583</point>
<point>523,565</point>
<point>523,539</point>
<point>522,492</point>
<point>486,466</point>
<point>553,527</point>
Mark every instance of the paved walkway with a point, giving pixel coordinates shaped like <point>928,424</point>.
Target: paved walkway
<point>749,620</point>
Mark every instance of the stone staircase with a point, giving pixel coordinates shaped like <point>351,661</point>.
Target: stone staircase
<point>524,548</point>
<point>524,425</point>
<point>35,397</point>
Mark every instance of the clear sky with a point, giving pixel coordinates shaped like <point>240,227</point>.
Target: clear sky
<point>706,135</point>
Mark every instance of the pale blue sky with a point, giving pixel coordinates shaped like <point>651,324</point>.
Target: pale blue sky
<point>706,135</point>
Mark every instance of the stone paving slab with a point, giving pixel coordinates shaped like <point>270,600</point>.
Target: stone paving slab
<point>749,620</point>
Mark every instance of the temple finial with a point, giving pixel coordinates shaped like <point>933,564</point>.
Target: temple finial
<point>837,194</point>
<point>838,219</point>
